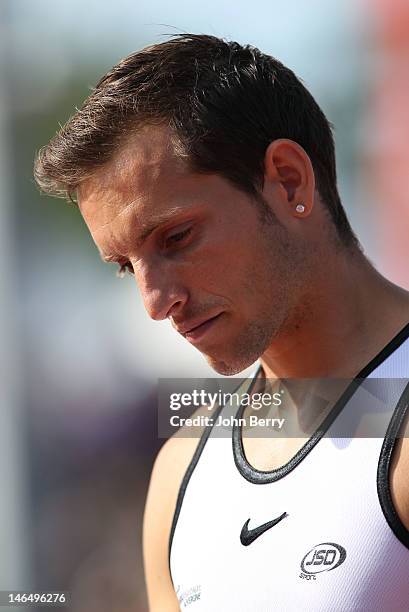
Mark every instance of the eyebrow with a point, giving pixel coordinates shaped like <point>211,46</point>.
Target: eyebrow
<point>147,227</point>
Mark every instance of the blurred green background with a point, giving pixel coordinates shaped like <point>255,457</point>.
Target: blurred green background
<point>80,358</point>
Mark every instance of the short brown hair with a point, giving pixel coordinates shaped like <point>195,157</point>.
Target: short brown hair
<point>225,103</point>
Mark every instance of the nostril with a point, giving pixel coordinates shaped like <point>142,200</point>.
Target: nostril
<point>174,308</point>
<point>161,289</point>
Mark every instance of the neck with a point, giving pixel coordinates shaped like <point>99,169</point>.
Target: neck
<point>347,315</point>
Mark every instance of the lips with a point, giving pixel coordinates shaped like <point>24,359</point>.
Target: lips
<point>196,330</point>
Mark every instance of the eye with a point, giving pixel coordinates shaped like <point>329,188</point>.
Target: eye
<point>125,268</point>
<point>178,237</point>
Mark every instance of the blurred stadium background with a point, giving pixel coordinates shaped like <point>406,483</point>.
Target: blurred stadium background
<point>80,359</point>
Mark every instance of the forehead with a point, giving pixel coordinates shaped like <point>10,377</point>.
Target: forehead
<point>145,181</point>
<point>139,172</point>
<point>146,185</point>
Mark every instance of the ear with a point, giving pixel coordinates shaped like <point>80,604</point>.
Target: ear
<point>289,168</point>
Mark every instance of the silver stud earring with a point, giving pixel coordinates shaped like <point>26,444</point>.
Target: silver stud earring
<point>300,208</point>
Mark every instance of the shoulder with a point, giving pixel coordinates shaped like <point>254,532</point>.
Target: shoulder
<point>173,460</point>
<point>168,471</point>
<point>399,474</point>
<point>399,465</point>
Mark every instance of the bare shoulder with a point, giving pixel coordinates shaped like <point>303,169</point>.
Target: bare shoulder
<point>399,470</point>
<point>399,475</point>
<point>168,471</point>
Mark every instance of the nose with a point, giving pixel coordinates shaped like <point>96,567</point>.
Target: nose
<point>162,290</point>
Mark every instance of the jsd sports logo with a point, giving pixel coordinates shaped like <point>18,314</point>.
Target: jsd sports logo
<point>322,558</point>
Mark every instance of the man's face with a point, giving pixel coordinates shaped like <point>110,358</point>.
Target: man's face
<point>202,253</point>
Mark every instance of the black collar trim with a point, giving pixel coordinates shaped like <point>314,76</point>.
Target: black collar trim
<point>264,477</point>
<point>395,430</point>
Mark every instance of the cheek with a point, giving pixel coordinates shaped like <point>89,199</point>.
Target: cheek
<point>230,262</point>
<point>221,267</point>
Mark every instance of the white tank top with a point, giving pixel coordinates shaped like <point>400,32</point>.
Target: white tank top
<point>318,534</point>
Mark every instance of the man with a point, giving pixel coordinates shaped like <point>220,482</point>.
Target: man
<point>207,170</point>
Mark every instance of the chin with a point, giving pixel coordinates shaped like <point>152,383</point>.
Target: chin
<point>228,368</point>
<point>242,351</point>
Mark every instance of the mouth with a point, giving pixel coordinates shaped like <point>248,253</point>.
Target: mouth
<point>195,334</point>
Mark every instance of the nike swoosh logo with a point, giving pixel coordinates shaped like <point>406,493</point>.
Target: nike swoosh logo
<point>247,536</point>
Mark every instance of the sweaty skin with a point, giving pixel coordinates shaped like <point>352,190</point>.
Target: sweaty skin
<point>242,279</point>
